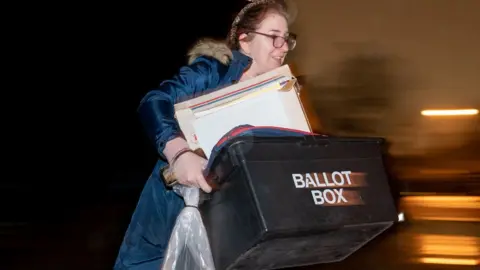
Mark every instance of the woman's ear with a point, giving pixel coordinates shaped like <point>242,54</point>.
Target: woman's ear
<point>244,43</point>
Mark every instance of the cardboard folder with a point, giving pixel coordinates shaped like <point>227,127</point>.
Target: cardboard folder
<point>271,99</point>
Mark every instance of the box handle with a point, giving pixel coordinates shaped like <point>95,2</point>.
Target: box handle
<point>314,141</point>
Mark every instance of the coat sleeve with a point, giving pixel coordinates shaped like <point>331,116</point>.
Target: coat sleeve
<point>156,109</point>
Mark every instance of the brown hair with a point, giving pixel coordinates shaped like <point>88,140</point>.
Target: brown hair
<point>251,16</point>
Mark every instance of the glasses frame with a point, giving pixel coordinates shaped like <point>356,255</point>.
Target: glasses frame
<point>291,37</point>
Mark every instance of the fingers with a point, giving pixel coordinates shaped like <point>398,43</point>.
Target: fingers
<point>191,183</point>
<point>203,184</point>
<point>198,182</point>
<point>189,171</point>
<point>188,181</point>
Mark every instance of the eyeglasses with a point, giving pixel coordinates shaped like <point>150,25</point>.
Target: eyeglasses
<point>279,41</point>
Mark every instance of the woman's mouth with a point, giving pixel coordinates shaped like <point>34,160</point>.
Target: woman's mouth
<point>278,59</point>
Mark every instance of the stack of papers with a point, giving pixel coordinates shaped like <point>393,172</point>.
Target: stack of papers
<point>267,100</point>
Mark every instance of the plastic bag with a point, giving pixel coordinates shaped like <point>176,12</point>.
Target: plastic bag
<point>188,248</point>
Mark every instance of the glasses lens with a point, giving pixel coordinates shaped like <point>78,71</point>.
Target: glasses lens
<point>278,42</point>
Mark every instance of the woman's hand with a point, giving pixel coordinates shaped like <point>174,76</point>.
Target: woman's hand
<point>188,169</point>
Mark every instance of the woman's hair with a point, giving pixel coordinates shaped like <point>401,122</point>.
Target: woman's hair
<point>251,16</point>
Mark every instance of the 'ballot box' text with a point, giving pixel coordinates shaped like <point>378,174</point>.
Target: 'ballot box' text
<point>331,188</point>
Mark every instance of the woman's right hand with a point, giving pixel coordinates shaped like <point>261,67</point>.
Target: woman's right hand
<point>188,169</point>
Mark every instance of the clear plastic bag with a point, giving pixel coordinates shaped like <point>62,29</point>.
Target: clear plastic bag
<point>188,248</point>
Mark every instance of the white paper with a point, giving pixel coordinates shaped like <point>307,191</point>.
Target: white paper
<point>262,110</point>
<point>204,120</point>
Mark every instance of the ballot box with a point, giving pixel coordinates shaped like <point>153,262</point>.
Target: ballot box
<point>295,201</point>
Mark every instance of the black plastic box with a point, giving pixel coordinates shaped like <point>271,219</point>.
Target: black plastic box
<point>263,217</point>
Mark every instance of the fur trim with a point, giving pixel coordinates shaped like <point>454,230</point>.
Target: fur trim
<point>210,47</point>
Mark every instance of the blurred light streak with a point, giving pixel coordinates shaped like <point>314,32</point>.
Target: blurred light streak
<point>448,249</point>
<point>442,208</point>
<point>447,218</point>
<point>450,112</point>
<point>444,172</point>
<point>470,202</point>
<point>450,261</point>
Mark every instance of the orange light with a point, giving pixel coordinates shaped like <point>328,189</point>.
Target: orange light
<point>448,249</point>
<point>464,202</point>
<point>449,261</point>
<point>459,112</point>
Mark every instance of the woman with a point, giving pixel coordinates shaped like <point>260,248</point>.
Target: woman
<point>257,43</point>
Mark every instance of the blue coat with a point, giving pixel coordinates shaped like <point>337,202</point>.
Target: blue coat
<point>212,65</point>
<point>207,72</point>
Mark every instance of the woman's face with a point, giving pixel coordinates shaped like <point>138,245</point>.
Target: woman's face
<point>261,48</point>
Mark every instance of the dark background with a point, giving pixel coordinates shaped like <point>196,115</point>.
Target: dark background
<point>81,157</point>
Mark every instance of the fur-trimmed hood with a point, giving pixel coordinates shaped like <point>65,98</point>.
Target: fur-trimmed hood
<point>210,47</point>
